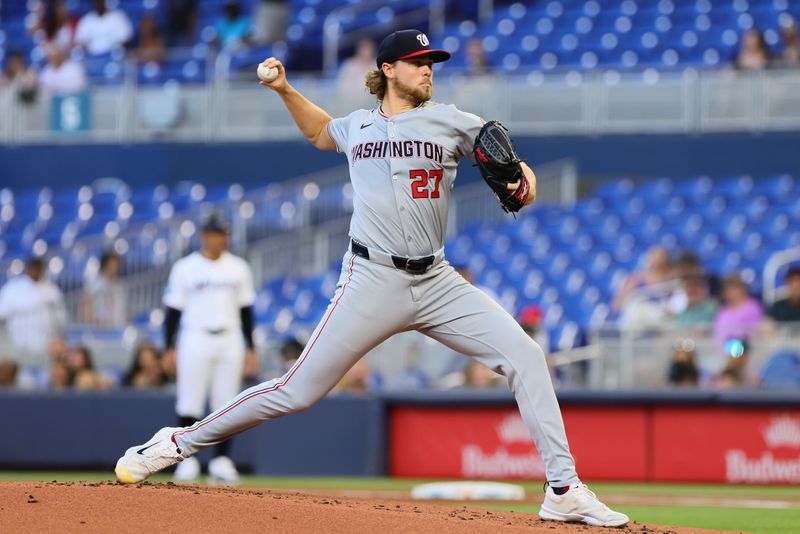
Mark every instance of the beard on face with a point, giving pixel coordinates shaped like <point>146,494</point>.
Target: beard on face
<point>417,94</point>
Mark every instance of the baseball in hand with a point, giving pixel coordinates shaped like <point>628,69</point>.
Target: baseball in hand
<point>266,74</point>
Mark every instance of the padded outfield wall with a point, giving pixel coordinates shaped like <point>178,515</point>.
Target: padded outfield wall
<point>695,436</point>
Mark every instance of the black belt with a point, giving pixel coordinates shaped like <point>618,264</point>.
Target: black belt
<point>410,265</point>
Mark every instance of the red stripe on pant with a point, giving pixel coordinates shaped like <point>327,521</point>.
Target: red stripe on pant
<point>288,376</point>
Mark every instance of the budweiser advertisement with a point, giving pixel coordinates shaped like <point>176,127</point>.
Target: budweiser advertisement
<point>495,443</point>
<point>660,443</point>
<point>731,444</point>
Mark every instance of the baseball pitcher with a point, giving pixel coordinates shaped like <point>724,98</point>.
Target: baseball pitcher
<point>403,157</point>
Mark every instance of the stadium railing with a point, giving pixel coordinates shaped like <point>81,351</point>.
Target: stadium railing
<point>776,264</point>
<point>625,360</point>
<point>613,360</point>
<point>571,102</point>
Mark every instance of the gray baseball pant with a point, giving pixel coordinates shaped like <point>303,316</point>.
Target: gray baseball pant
<point>372,302</point>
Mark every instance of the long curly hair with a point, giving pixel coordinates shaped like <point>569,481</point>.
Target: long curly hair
<point>376,83</point>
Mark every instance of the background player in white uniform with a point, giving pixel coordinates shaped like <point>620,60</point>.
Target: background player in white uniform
<point>403,157</point>
<point>209,296</point>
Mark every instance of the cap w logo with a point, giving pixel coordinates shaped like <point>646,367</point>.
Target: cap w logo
<point>423,39</point>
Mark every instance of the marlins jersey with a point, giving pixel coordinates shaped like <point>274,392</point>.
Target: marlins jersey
<point>402,169</point>
<point>210,293</point>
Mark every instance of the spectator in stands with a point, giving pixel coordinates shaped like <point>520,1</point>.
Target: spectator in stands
<point>686,265</point>
<point>233,28</point>
<point>181,22</point>
<point>290,351</point>
<point>530,319</point>
<point>657,270</point>
<point>736,373</point>
<point>101,31</point>
<point>105,300</point>
<point>149,43</point>
<point>8,372</point>
<point>787,310</point>
<point>269,21</point>
<point>754,53</point>
<point>169,364</point>
<point>353,70</point>
<point>145,371</point>
<point>39,376</point>
<point>60,376</point>
<point>790,54</point>
<point>740,316</point>
<point>33,309</point>
<point>61,75</point>
<point>21,77</point>
<point>57,350</point>
<point>55,25</point>
<point>359,379</point>
<point>84,375</point>
<point>683,367</point>
<point>16,68</point>
<point>478,376</point>
<point>477,62</point>
<point>643,299</point>
<point>698,315</point>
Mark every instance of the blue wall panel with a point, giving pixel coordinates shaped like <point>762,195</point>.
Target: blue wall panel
<point>338,436</point>
<point>260,163</point>
<point>251,163</point>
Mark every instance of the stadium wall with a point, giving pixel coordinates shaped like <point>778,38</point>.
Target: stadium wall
<point>656,436</point>
<point>262,162</point>
<point>71,430</point>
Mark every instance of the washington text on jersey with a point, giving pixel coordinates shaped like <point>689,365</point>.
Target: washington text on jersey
<point>397,149</point>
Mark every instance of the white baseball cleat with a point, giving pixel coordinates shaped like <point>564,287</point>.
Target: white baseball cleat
<point>187,471</point>
<point>581,505</point>
<point>141,461</point>
<point>222,471</point>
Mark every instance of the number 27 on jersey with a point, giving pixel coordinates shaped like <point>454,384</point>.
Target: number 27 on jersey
<point>420,179</point>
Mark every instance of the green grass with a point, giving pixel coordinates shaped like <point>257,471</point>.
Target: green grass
<point>699,490</point>
<point>763,520</point>
<point>741,519</point>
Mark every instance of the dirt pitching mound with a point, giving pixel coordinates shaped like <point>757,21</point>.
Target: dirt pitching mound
<point>37,507</point>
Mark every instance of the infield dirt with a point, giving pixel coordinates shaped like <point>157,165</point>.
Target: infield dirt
<point>103,507</point>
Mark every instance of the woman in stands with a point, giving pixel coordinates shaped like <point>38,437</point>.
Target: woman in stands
<point>643,299</point>
<point>146,371</point>
<point>753,54</point>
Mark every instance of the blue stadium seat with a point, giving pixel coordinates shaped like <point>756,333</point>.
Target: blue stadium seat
<point>777,188</point>
<point>782,370</point>
<point>694,190</point>
<point>735,188</point>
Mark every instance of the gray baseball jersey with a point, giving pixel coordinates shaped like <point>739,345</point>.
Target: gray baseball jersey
<point>402,169</point>
<point>420,150</point>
